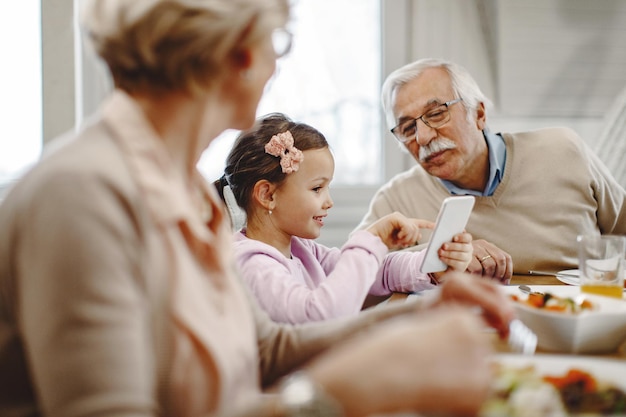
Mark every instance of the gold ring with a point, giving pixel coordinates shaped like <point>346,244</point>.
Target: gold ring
<point>484,258</point>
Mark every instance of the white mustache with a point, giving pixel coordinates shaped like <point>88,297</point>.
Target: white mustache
<point>435,146</point>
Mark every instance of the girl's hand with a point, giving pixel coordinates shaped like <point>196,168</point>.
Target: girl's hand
<point>456,254</point>
<point>398,231</point>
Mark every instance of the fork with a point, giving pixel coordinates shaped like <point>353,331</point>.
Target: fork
<point>521,338</point>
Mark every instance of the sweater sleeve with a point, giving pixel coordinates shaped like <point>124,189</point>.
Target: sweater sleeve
<point>611,198</point>
<point>283,348</point>
<point>400,272</point>
<point>318,284</point>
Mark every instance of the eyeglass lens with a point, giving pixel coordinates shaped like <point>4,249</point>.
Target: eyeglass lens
<point>281,40</point>
<point>434,119</point>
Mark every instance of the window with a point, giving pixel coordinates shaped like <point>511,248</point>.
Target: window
<point>330,80</point>
<point>20,83</point>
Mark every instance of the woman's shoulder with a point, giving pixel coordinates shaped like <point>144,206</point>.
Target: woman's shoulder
<point>91,157</point>
<point>79,171</point>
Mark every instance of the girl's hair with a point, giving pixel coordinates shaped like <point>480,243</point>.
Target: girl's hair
<point>176,45</point>
<point>463,84</point>
<point>247,163</point>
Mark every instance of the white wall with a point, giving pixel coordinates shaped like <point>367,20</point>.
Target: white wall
<point>543,62</point>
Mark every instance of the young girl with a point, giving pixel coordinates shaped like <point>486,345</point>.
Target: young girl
<point>279,172</point>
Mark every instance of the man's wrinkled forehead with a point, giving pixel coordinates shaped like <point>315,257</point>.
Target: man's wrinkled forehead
<point>428,90</point>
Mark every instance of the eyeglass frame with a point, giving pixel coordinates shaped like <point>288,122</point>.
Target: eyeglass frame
<point>447,105</point>
<point>288,45</point>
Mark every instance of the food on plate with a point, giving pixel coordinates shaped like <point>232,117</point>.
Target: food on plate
<point>523,391</point>
<point>551,302</point>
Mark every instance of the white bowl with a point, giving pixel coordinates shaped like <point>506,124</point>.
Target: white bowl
<point>600,330</point>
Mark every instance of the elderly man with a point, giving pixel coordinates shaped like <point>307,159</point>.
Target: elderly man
<point>535,191</point>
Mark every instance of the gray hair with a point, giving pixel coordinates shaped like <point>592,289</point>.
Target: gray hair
<point>176,45</point>
<point>463,84</point>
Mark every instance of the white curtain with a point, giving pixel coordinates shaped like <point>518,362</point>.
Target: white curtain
<point>611,145</point>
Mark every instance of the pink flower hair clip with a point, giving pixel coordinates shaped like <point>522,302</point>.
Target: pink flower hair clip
<point>281,145</point>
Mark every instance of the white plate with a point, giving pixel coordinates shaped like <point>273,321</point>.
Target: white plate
<point>569,280</point>
<point>532,400</point>
<point>603,369</point>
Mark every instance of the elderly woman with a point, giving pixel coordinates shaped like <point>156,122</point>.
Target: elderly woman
<point>118,295</point>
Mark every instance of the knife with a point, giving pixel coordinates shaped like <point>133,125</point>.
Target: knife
<point>554,274</point>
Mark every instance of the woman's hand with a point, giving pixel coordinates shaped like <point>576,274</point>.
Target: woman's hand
<point>430,356</point>
<point>398,231</point>
<point>468,290</point>
<point>435,362</point>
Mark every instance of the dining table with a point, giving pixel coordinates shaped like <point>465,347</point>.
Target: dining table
<point>607,368</point>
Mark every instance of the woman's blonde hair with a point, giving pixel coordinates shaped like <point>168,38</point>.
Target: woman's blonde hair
<point>176,45</point>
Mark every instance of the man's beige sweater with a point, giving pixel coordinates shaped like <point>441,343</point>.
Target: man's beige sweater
<point>553,189</point>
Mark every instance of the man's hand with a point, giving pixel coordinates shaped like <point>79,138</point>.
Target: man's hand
<point>490,261</point>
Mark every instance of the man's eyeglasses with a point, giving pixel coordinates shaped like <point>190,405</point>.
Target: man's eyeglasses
<point>435,118</point>
<point>281,41</point>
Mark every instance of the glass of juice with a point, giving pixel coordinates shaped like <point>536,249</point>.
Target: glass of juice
<point>601,264</point>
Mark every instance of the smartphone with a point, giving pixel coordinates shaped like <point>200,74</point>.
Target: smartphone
<point>451,220</point>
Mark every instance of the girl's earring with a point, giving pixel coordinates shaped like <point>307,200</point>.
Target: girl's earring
<point>270,212</point>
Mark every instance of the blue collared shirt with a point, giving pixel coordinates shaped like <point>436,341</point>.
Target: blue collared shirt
<point>497,161</point>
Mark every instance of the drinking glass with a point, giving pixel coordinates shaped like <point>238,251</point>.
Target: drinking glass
<point>601,264</point>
